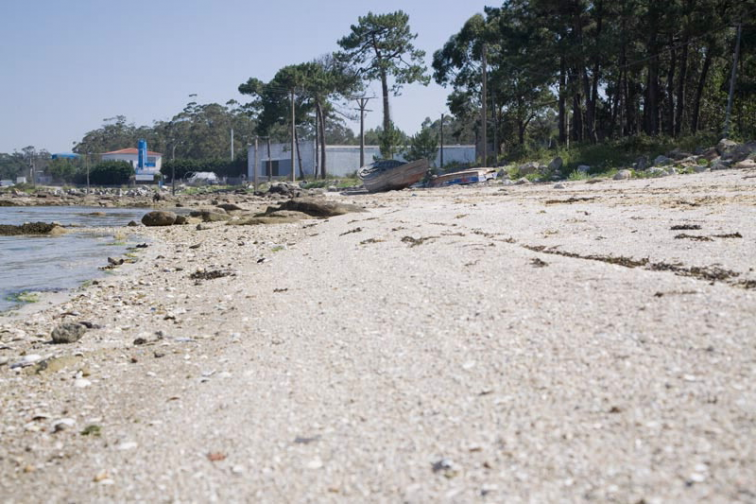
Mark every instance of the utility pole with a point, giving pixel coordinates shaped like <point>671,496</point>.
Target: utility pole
<point>270,163</point>
<point>232,144</point>
<point>442,142</point>
<point>484,111</point>
<point>254,168</point>
<point>732,82</point>
<point>293,138</point>
<point>495,131</point>
<point>362,102</point>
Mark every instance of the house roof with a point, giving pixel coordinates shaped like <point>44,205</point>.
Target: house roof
<point>132,151</point>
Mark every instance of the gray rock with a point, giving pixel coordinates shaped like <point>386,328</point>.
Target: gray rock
<point>559,186</point>
<point>658,172</point>
<point>528,168</point>
<point>725,145</point>
<point>623,175</point>
<point>746,164</point>
<point>698,168</point>
<point>556,164</point>
<point>720,165</point>
<point>229,207</point>
<point>662,161</point>
<point>181,220</point>
<point>740,153</point>
<point>641,163</point>
<point>583,169</point>
<point>159,218</point>
<point>523,181</point>
<point>68,333</point>
<point>215,216</point>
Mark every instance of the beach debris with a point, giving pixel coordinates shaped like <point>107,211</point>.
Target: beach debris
<point>63,424</point>
<point>69,332</point>
<point>210,275</point>
<point>445,467</point>
<point>216,456</point>
<point>159,218</point>
<point>115,262</point>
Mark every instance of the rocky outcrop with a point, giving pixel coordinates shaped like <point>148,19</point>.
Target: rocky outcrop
<point>319,207</point>
<point>159,218</point>
<point>33,228</point>
<point>68,333</point>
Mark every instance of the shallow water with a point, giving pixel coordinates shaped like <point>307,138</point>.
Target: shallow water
<point>55,263</point>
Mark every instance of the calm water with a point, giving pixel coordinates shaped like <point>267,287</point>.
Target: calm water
<point>46,263</point>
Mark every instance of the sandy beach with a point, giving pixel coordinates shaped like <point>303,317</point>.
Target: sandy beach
<point>467,344</point>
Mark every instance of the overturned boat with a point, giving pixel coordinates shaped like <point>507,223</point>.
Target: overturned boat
<point>392,175</point>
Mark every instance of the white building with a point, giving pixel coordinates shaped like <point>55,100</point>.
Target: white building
<point>341,160</point>
<point>151,168</point>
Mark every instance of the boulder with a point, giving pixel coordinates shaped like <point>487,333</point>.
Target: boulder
<point>33,228</point>
<point>657,171</point>
<point>623,175</point>
<point>68,333</point>
<point>583,169</point>
<point>159,218</point>
<point>556,164</point>
<point>181,220</point>
<point>528,168</point>
<point>725,145</point>
<point>678,154</point>
<point>229,207</point>
<point>746,164</point>
<point>720,165</point>
<point>662,161</point>
<point>215,216</point>
<point>710,154</point>
<point>699,168</point>
<point>319,207</point>
<point>641,163</point>
<point>740,153</point>
<point>523,181</point>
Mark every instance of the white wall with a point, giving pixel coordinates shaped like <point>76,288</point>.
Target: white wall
<point>133,159</point>
<point>341,160</point>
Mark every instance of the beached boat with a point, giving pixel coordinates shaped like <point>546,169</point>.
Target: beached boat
<point>392,175</point>
<point>473,176</point>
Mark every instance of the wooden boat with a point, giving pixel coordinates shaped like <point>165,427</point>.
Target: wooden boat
<point>392,175</point>
<point>473,176</point>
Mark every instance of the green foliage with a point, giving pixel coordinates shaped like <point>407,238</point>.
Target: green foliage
<point>380,47</point>
<point>221,167</point>
<point>111,173</point>
<point>64,169</point>
<point>23,297</point>
<point>424,145</point>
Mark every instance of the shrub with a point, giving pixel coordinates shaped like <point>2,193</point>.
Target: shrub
<point>111,173</point>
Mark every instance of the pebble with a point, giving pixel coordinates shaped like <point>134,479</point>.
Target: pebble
<point>82,383</point>
<point>315,463</point>
<point>127,445</point>
<point>63,424</point>
<point>27,360</point>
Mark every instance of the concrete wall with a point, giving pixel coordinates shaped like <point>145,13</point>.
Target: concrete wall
<point>341,160</point>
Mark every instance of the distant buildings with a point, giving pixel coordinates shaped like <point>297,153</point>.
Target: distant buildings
<point>151,168</point>
<point>341,160</point>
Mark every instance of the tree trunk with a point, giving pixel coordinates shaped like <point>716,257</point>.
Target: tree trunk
<point>683,71</point>
<point>651,108</point>
<point>321,115</point>
<point>484,106</point>
<point>671,87</point>
<point>562,101</point>
<point>592,99</point>
<point>386,111</point>
<point>299,155</point>
<point>700,90</point>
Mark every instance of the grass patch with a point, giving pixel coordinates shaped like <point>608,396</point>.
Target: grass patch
<point>92,430</point>
<point>23,297</point>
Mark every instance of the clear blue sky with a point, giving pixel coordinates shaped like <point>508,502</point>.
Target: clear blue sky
<point>68,64</point>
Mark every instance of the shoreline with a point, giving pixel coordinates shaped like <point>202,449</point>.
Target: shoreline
<point>443,341</point>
